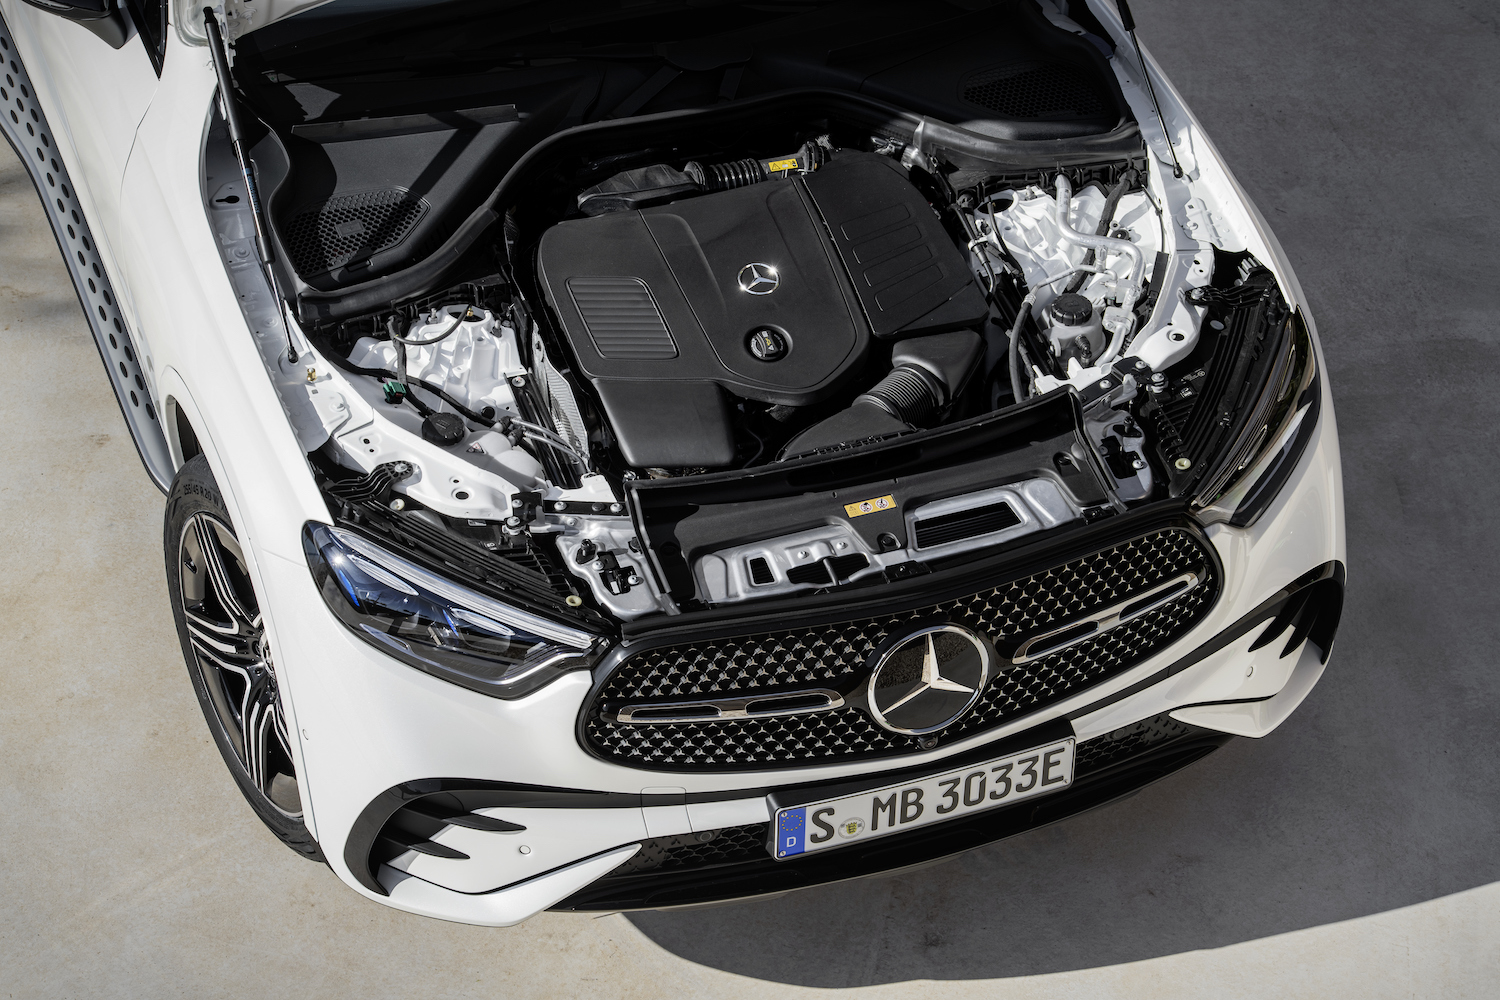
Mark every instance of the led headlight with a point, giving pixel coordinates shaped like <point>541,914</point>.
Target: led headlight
<point>438,626</point>
<point>1279,423</point>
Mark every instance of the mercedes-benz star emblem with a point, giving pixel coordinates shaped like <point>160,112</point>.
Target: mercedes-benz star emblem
<point>759,279</point>
<point>927,680</point>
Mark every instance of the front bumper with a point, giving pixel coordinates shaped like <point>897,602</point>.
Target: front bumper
<point>376,734</point>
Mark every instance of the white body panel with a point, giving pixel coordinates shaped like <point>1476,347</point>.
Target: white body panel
<point>364,722</point>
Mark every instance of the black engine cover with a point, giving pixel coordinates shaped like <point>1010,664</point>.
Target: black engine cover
<point>661,306</point>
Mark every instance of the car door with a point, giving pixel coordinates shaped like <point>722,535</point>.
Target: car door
<point>94,94</point>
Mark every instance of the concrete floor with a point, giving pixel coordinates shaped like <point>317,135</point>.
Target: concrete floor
<point>1353,853</point>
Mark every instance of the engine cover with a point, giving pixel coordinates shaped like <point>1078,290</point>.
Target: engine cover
<point>744,290</point>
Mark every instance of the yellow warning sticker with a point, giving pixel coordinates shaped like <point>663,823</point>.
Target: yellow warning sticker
<point>870,506</point>
<point>776,165</point>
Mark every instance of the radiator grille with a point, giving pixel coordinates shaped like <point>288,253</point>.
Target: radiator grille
<point>836,655</point>
<point>1046,91</point>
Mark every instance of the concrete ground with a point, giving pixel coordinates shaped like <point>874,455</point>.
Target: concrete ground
<point>1353,853</point>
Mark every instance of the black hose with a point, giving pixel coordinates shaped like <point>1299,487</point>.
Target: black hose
<point>1106,217</point>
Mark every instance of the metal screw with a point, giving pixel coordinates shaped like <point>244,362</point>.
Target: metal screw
<point>515,501</point>
<point>1183,464</point>
<point>616,508</point>
<point>513,521</point>
<point>518,381</point>
<point>1139,462</point>
<point>398,504</point>
<point>571,522</point>
<point>559,506</point>
<point>1104,383</point>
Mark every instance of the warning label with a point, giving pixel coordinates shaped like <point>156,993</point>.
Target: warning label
<point>870,506</point>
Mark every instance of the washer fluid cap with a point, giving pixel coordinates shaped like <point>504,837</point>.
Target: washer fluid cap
<point>444,428</point>
<point>1071,309</point>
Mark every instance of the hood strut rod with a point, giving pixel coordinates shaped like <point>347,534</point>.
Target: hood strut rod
<point>236,139</point>
<point>1127,21</point>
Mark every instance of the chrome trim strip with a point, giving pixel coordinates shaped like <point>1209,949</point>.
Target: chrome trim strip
<point>724,708</point>
<point>1107,618</point>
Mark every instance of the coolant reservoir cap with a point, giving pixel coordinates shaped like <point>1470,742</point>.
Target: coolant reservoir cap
<point>1071,309</point>
<point>443,428</point>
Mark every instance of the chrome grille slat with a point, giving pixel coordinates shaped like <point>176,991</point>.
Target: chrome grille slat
<point>832,657</point>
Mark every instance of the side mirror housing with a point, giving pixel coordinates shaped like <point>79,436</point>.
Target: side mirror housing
<point>103,17</point>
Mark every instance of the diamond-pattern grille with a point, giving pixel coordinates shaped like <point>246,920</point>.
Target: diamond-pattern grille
<point>836,656</point>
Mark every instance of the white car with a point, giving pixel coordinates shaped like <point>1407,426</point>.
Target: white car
<point>628,455</point>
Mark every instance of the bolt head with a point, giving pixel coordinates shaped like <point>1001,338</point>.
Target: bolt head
<point>559,506</point>
<point>615,508</point>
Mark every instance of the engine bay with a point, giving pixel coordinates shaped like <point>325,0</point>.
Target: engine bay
<point>793,350</point>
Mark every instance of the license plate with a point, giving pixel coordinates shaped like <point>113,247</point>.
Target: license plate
<point>852,819</point>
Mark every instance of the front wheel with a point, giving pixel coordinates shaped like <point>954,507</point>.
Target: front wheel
<point>224,642</point>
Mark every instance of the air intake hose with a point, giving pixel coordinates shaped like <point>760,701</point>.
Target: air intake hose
<point>725,176</point>
<point>927,375</point>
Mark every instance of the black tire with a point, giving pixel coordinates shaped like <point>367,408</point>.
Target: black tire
<point>223,642</point>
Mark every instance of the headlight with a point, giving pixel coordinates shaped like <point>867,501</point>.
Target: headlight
<point>438,626</point>
<point>1279,423</point>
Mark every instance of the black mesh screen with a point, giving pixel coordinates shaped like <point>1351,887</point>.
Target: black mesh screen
<point>352,227</point>
<point>1046,91</point>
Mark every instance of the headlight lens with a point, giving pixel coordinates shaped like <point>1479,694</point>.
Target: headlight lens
<point>436,625</point>
<point>1251,472</point>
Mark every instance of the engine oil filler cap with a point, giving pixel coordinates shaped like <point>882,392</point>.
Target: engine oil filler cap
<point>443,428</point>
<point>1071,309</point>
<point>767,344</point>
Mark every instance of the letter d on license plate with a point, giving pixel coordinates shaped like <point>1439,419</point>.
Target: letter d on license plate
<point>920,802</point>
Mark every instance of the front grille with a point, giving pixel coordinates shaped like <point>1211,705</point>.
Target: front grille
<point>836,656</point>
<point>1048,91</point>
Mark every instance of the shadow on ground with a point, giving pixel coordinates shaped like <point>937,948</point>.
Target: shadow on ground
<point>1366,134</point>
